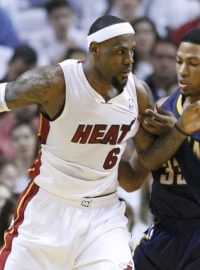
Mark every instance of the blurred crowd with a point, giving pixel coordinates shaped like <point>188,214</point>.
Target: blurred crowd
<point>44,32</point>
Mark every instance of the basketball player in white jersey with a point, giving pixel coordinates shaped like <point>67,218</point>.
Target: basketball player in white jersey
<point>69,217</point>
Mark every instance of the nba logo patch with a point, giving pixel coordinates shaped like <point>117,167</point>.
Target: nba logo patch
<point>130,103</point>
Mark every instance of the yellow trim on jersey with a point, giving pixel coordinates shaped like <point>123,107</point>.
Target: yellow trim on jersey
<point>40,125</point>
<point>179,105</point>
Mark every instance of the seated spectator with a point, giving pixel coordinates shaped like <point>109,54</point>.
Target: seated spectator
<point>24,143</point>
<point>163,80</point>
<point>86,14</point>
<point>8,34</point>
<point>6,216</point>
<point>61,34</point>
<point>146,36</point>
<point>128,10</point>
<point>8,173</point>
<point>5,193</point>
<point>23,59</point>
<point>75,53</point>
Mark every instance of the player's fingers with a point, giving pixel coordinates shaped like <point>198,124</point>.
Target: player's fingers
<point>152,128</point>
<point>162,111</point>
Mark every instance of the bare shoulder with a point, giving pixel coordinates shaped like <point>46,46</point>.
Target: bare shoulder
<point>144,95</point>
<point>41,76</point>
<point>44,86</point>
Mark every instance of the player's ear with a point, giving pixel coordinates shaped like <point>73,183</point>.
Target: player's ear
<point>94,48</point>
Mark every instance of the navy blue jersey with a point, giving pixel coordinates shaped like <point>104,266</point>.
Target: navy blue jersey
<point>176,186</point>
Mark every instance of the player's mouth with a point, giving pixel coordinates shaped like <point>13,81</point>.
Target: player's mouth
<point>126,72</point>
<point>184,84</point>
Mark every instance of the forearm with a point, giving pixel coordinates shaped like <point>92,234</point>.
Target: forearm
<point>132,174</point>
<point>163,148</point>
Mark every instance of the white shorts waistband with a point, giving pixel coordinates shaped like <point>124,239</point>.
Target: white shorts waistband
<point>84,202</point>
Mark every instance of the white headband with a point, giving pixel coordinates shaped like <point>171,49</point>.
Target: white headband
<point>110,32</point>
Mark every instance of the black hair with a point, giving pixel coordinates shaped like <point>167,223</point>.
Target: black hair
<point>54,4</point>
<point>192,36</point>
<point>7,212</point>
<point>147,20</point>
<point>166,40</point>
<point>26,53</point>
<point>4,162</point>
<point>103,22</point>
<point>28,125</point>
<point>73,50</point>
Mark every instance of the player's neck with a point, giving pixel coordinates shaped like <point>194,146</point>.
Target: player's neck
<point>98,82</point>
<point>189,100</point>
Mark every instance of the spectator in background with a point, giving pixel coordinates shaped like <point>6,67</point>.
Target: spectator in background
<point>163,80</point>
<point>8,34</point>
<point>24,144</point>
<point>6,215</point>
<point>87,13</point>
<point>5,193</point>
<point>61,35</point>
<point>8,173</point>
<point>127,10</point>
<point>23,59</point>
<point>9,120</point>
<point>76,53</point>
<point>146,36</point>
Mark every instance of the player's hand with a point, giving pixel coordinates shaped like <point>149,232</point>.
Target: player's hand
<point>158,121</point>
<point>190,118</point>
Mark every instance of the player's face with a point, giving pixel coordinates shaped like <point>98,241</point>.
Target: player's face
<point>23,142</point>
<point>116,59</point>
<point>188,69</point>
<point>61,19</point>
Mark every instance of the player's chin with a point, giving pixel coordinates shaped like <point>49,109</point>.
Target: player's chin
<point>123,80</point>
<point>186,92</point>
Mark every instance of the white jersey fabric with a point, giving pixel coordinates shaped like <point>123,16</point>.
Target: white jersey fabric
<point>85,143</point>
<point>58,224</point>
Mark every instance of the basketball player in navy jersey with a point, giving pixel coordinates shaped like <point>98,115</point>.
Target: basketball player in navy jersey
<point>69,216</point>
<point>173,241</point>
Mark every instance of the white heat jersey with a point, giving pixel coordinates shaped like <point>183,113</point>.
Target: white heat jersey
<point>83,146</point>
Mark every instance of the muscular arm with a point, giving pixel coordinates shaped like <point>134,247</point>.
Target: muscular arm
<point>43,86</point>
<point>154,151</point>
<point>132,173</point>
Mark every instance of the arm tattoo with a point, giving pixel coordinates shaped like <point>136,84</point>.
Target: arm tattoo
<point>33,87</point>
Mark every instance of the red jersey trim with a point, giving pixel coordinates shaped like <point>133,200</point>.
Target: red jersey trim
<point>12,232</point>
